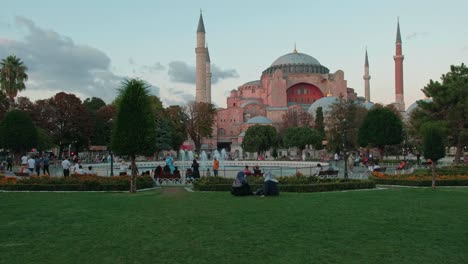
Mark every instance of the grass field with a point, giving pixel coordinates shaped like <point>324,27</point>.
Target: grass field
<point>174,226</point>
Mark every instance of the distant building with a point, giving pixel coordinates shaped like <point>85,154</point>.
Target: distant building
<point>293,82</point>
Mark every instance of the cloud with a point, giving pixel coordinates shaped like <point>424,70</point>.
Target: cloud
<point>56,62</point>
<point>182,72</point>
<point>416,35</point>
<point>157,66</point>
<point>177,97</point>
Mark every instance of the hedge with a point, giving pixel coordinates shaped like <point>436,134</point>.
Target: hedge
<point>422,183</point>
<point>75,184</point>
<point>317,187</point>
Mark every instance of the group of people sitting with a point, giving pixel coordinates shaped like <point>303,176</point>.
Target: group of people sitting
<point>240,187</point>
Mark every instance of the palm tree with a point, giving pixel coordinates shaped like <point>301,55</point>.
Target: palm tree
<point>12,77</point>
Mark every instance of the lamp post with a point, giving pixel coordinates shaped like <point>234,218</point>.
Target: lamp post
<point>111,163</point>
<point>344,149</point>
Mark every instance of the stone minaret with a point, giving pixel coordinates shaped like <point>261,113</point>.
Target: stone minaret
<point>201,52</point>
<point>399,98</point>
<point>208,76</point>
<point>366,79</point>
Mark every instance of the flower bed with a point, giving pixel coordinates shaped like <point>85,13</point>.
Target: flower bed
<point>420,179</point>
<point>296,183</point>
<point>73,183</point>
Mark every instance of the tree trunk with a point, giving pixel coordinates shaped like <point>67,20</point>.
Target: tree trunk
<point>459,150</point>
<point>433,166</point>
<point>133,176</point>
<point>11,102</point>
<point>381,151</point>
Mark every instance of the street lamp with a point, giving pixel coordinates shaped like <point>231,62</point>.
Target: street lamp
<point>344,149</point>
<point>111,162</point>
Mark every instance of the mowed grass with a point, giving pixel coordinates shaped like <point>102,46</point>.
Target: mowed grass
<point>174,226</point>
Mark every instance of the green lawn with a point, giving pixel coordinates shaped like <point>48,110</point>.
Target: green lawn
<point>173,226</point>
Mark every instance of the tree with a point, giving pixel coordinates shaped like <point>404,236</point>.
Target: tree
<point>200,118</point>
<point>178,123</point>
<point>65,118</point>
<point>134,131</point>
<point>294,118</point>
<point>163,135</point>
<point>343,122</point>
<point>381,127</point>
<point>93,104</point>
<point>319,125</point>
<point>12,77</point>
<point>300,137</point>
<point>259,139</point>
<point>17,132</point>
<point>104,122</point>
<point>433,145</point>
<point>450,104</point>
<point>4,105</point>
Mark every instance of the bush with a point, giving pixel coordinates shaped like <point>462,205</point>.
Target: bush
<point>307,187</point>
<point>74,183</point>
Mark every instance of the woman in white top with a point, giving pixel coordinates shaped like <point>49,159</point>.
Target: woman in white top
<point>123,168</point>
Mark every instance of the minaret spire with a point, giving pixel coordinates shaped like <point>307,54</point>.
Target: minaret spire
<point>201,25</point>
<point>398,35</point>
<point>366,78</point>
<point>399,97</point>
<point>201,64</point>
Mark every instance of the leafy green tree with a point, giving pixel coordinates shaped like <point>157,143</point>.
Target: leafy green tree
<point>163,135</point>
<point>449,104</point>
<point>200,119</point>
<point>17,132</point>
<point>259,139</point>
<point>4,105</point>
<point>300,137</point>
<point>381,127</point>
<point>178,123</point>
<point>45,141</point>
<point>12,77</point>
<point>134,131</point>
<point>319,124</point>
<point>433,145</point>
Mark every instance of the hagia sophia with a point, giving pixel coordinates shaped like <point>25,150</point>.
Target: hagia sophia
<point>294,81</point>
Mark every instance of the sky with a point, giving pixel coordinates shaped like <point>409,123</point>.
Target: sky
<point>88,47</point>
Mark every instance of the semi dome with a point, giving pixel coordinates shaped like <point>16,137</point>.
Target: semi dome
<point>367,105</point>
<point>415,105</point>
<point>257,82</point>
<point>259,120</point>
<point>325,103</point>
<point>295,58</point>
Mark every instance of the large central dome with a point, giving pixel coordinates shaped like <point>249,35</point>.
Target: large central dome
<point>295,58</point>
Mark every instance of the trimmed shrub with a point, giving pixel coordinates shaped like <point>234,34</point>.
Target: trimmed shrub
<point>316,187</point>
<point>74,183</point>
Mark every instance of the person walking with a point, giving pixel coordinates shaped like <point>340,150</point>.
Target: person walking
<point>31,164</point>
<point>215,167</point>
<point>38,161</point>
<point>9,161</point>
<point>196,171</point>
<point>24,163</point>
<point>66,167</point>
<point>45,165</point>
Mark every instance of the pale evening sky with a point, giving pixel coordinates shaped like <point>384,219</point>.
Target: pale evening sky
<point>87,47</point>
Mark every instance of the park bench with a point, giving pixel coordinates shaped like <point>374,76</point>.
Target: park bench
<point>328,174</point>
<point>21,174</point>
<point>381,169</point>
<point>168,179</point>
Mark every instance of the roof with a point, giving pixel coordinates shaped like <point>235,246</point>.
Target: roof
<point>201,26</point>
<point>259,120</point>
<point>415,105</point>
<point>325,103</point>
<point>257,82</point>
<point>367,105</point>
<point>296,58</point>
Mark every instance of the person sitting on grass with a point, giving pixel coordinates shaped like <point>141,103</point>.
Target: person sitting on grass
<point>257,170</point>
<point>247,171</point>
<point>176,172</point>
<point>90,171</point>
<point>158,171</point>
<point>80,170</point>
<point>240,187</point>
<point>270,185</point>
